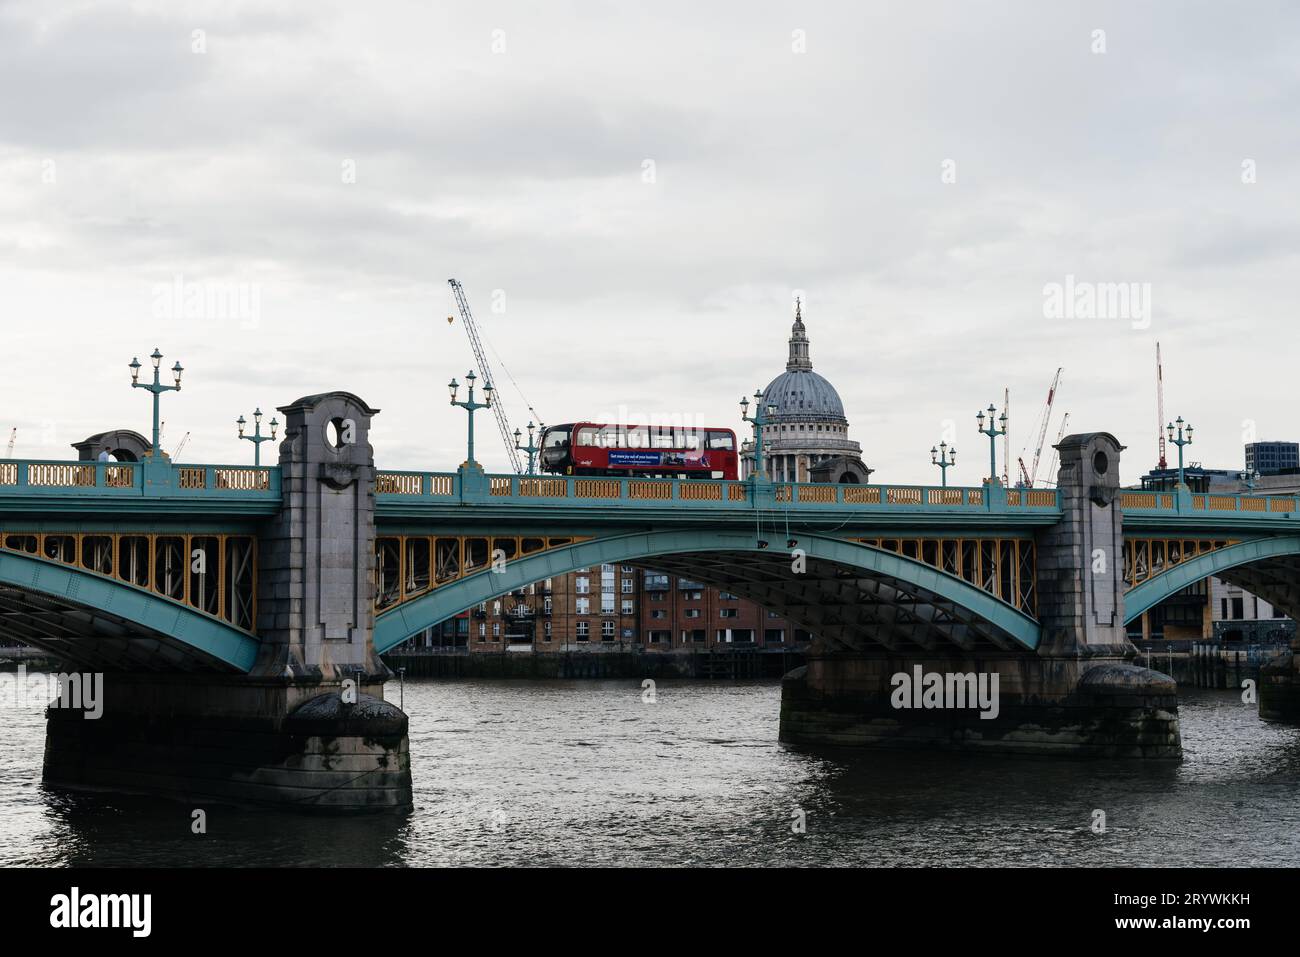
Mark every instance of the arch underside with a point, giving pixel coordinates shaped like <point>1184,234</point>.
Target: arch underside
<point>843,607</point>
<point>1269,568</point>
<point>97,623</point>
<point>1276,580</point>
<point>851,596</point>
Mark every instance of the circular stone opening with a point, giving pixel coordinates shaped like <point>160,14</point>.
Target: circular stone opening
<point>1100,463</point>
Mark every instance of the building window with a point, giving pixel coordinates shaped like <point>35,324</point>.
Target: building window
<point>772,614</point>
<point>606,603</point>
<point>606,631</point>
<point>546,606</point>
<point>658,614</point>
<point>482,630</point>
<point>728,612</point>
<point>496,609</point>
<point>727,596</point>
<point>657,596</point>
<point>496,630</point>
<point>628,569</point>
<point>583,606</point>
<point>774,636</point>
<point>661,637</point>
<point>627,586</point>
<point>583,630</point>
<point>1238,609</point>
<point>692,613</point>
<point>628,608</point>
<point>546,631</point>
<point>582,586</point>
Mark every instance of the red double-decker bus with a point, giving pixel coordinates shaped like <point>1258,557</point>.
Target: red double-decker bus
<point>595,448</point>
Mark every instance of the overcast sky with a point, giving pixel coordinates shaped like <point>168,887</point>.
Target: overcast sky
<point>632,194</point>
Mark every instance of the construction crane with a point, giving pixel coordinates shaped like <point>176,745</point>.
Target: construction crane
<point>1032,475</point>
<point>1051,467</point>
<point>13,437</point>
<point>1160,409</point>
<point>180,446</point>
<point>485,369</point>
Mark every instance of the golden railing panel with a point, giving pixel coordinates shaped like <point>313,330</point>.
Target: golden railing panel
<point>1223,503</point>
<point>119,476</point>
<point>902,496</point>
<point>699,492</point>
<point>975,496</point>
<point>192,478</point>
<point>943,496</point>
<point>1013,496</point>
<point>659,490</point>
<point>596,488</point>
<point>245,480</point>
<point>1137,499</point>
<point>783,493</point>
<point>542,488</point>
<point>1252,504</point>
<point>397,483</point>
<point>825,494</point>
<point>499,486</point>
<point>1040,498</point>
<point>441,484</point>
<point>8,473</point>
<point>736,492</point>
<point>1282,505</point>
<point>61,476</point>
<point>862,495</point>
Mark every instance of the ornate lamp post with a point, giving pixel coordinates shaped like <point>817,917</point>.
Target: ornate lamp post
<point>1249,479</point>
<point>1180,442</point>
<point>157,388</point>
<point>763,412</point>
<point>945,458</point>
<point>993,432</point>
<point>530,449</point>
<point>470,406</point>
<point>257,438</point>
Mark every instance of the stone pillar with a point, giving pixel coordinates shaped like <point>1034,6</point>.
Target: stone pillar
<point>1080,559</point>
<point>316,559</point>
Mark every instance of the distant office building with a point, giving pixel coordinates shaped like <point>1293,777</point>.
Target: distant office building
<point>1272,458</point>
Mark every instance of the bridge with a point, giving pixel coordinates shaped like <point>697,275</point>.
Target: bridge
<point>238,612</point>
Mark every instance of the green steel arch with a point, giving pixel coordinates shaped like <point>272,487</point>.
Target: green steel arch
<point>71,588</point>
<point>1144,597</point>
<point>396,625</point>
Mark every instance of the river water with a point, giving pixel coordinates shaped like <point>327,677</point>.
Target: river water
<point>585,772</point>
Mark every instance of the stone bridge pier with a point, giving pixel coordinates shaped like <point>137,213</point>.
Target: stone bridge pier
<point>308,727</point>
<point>1077,694</point>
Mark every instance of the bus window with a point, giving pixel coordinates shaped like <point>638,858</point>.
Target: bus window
<point>638,437</point>
<point>722,440</point>
<point>661,437</point>
<point>587,435</point>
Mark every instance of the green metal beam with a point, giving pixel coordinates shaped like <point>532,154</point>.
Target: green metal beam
<point>1153,591</point>
<point>159,616</point>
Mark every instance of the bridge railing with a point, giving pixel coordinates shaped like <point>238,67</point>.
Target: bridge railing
<point>605,491</point>
<point>125,479</point>
<point>1274,506</point>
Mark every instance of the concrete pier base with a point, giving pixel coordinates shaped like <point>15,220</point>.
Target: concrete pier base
<point>246,741</point>
<point>1078,707</point>
<point>1279,689</point>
